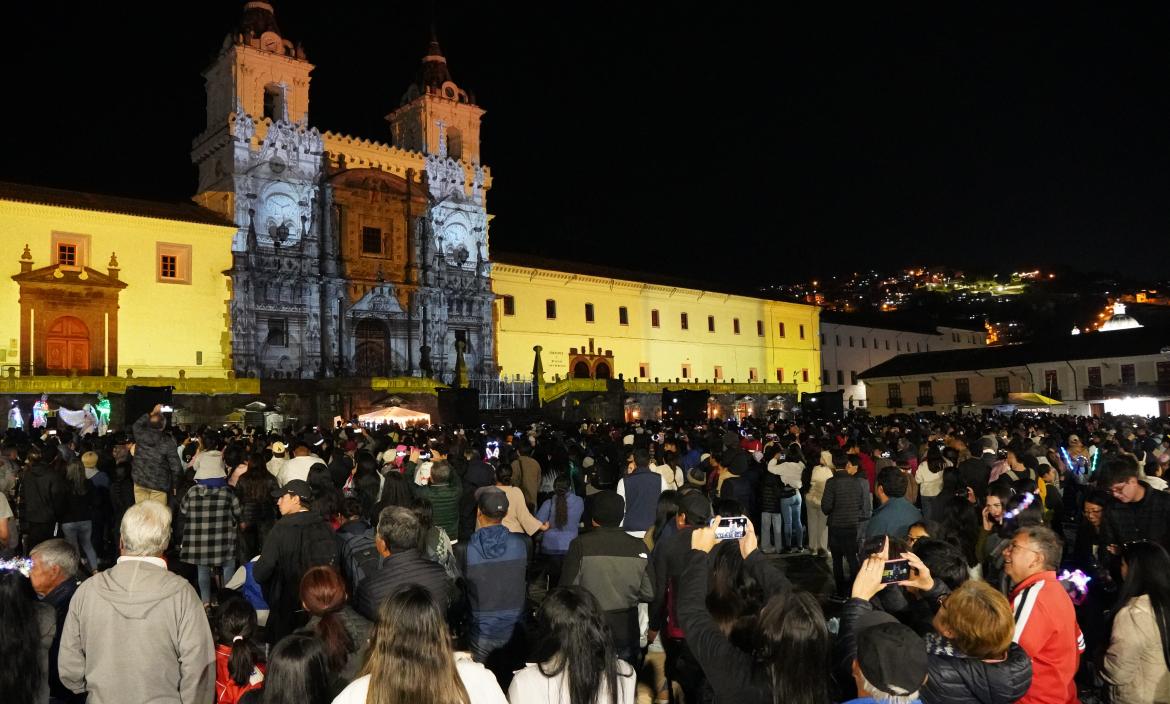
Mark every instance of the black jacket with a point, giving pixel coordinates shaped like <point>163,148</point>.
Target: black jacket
<point>283,561</point>
<point>847,501</point>
<point>1148,519</point>
<point>397,572</point>
<point>44,494</point>
<point>156,456</point>
<point>667,563</point>
<point>734,675</point>
<point>958,678</point>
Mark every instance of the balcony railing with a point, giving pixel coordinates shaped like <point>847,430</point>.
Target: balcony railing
<point>926,400</point>
<point>963,398</point>
<point>894,402</point>
<point>1141,388</point>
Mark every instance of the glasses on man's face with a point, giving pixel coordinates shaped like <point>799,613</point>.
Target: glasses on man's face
<point>1012,547</point>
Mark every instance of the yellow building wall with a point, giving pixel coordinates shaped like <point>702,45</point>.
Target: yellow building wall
<point>664,349</point>
<point>161,326</point>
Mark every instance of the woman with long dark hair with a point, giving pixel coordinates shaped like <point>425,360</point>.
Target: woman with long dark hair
<point>930,478</point>
<point>664,515</point>
<point>77,518</point>
<point>1137,664</point>
<point>297,674</point>
<point>560,517</point>
<point>343,632</point>
<point>27,627</point>
<point>788,660</point>
<point>257,509</point>
<point>576,662</point>
<point>411,659</point>
<point>238,657</point>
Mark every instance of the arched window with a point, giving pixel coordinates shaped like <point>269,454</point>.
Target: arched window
<point>602,371</point>
<point>580,370</point>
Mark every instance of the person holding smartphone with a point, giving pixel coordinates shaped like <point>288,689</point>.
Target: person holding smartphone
<point>156,466</point>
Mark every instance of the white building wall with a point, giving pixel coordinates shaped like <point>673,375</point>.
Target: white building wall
<point>848,350</point>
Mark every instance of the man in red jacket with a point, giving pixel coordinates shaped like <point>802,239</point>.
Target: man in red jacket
<point>1046,625</point>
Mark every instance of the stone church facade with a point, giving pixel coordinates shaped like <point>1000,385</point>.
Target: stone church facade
<point>352,258</point>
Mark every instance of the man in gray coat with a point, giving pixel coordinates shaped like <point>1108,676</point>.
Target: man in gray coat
<point>136,632</point>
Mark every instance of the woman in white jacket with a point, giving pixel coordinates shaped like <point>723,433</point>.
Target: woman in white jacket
<point>818,522</point>
<point>575,657</point>
<point>410,659</point>
<point>1137,664</point>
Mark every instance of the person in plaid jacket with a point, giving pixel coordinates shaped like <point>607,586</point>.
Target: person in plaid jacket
<point>209,538</point>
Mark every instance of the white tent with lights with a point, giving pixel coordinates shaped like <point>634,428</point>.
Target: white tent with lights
<point>394,414</point>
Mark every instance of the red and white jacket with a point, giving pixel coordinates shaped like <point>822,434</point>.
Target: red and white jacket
<point>1047,630</point>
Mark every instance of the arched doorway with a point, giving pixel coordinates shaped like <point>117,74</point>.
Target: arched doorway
<point>67,345</point>
<point>370,349</point>
<point>580,370</point>
<point>602,371</point>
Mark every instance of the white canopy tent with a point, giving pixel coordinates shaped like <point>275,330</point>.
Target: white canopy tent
<point>394,414</point>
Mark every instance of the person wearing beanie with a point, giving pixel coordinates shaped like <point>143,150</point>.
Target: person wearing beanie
<point>612,565</point>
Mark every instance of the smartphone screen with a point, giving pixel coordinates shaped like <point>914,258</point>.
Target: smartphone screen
<point>731,528</point>
<point>895,571</point>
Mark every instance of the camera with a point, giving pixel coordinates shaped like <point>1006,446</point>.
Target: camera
<point>167,409</point>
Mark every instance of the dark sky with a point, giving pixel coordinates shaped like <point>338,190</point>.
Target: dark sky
<point>715,140</point>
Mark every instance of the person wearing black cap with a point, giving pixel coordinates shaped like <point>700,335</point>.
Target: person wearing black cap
<point>299,540</point>
<point>495,562</point>
<point>890,663</point>
<point>612,565</point>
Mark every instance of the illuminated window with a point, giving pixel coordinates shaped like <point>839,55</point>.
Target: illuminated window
<point>550,309</point>
<point>174,263</point>
<point>67,254</point>
<point>684,322</point>
<point>168,266</point>
<point>509,305</point>
<point>735,325</point>
<point>623,316</point>
<point>371,240</point>
<point>68,249</point>
<point>710,323</point>
<point>588,313</point>
<point>654,319</point>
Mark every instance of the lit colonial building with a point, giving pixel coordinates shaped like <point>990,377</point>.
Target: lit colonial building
<point>352,257</point>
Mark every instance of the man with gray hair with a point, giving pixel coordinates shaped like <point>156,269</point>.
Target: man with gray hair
<point>54,578</point>
<point>136,632</point>
<point>1046,623</point>
<point>397,541</point>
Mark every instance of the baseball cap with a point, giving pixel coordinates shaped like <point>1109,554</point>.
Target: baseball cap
<point>695,506</point>
<point>295,487</point>
<point>890,655</point>
<point>609,508</point>
<point>492,503</point>
<point>278,448</point>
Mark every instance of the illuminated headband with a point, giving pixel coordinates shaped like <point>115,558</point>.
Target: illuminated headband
<point>1080,582</point>
<point>1025,502</point>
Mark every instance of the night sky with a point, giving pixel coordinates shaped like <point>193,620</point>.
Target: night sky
<point>717,142</point>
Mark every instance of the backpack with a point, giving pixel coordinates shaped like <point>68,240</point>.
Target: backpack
<point>359,557</point>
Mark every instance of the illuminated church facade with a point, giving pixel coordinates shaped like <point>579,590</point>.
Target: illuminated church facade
<point>352,258</point>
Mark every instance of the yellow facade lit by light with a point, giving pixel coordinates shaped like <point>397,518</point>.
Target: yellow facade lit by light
<point>162,327</point>
<point>641,350</point>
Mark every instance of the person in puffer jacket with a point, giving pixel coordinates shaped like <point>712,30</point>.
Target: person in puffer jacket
<point>156,465</point>
<point>972,657</point>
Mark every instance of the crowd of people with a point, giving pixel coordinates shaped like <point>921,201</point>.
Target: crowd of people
<point>903,559</point>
